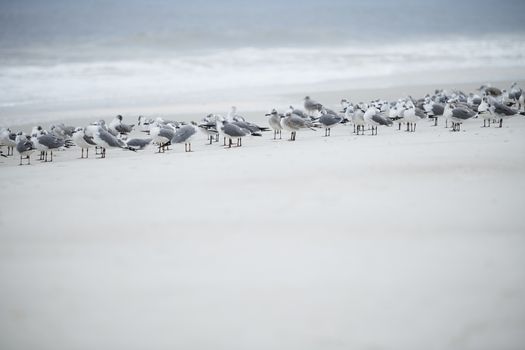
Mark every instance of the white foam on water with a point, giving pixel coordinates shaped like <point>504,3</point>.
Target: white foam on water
<point>210,76</point>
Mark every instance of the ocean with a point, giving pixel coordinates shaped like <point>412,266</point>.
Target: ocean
<point>99,55</point>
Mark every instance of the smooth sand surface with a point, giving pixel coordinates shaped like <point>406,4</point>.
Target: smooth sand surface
<point>396,241</point>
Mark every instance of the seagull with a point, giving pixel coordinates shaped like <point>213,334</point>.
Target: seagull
<point>329,120</point>
<point>374,117</point>
<point>292,122</point>
<point>24,147</point>
<point>396,111</point>
<point>490,91</point>
<point>457,115</point>
<point>8,139</point>
<point>515,92</point>
<point>37,131</point>
<point>138,144</point>
<point>232,131</point>
<point>185,134</point>
<point>299,112</point>
<point>47,142</point>
<point>503,112</point>
<point>312,106</point>
<point>348,110</point>
<point>485,112</point>
<point>433,110</point>
<point>83,141</point>
<point>275,123</point>
<point>233,116</point>
<point>144,123</point>
<point>61,131</point>
<point>161,135</point>
<point>411,115</point>
<point>104,139</point>
<point>241,121</point>
<point>252,129</point>
<point>117,127</point>
<point>209,127</point>
<point>473,100</point>
<point>358,117</point>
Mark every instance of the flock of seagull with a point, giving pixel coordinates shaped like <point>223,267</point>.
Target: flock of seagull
<point>489,103</point>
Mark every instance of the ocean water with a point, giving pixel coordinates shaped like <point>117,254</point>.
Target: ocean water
<point>61,55</point>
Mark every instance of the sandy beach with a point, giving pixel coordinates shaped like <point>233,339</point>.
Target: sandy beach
<point>396,241</point>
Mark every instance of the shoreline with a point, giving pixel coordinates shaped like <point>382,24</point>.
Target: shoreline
<point>255,103</point>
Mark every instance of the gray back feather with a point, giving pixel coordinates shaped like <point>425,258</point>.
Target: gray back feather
<point>167,133</point>
<point>462,113</point>
<point>233,130</point>
<point>248,126</point>
<point>330,119</point>
<point>183,134</point>
<point>138,143</point>
<point>124,128</point>
<point>108,138</point>
<point>50,141</point>
<point>379,119</point>
<point>502,109</point>
<point>89,140</point>
<point>24,145</point>
<point>438,109</point>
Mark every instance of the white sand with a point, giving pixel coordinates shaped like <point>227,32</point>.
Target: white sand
<point>400,241</point>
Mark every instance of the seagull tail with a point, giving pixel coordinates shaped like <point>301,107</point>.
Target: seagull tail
<point>68,143</point>
<point>522,113</point>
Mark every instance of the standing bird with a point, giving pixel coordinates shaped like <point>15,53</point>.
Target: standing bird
<point>485,112</point>
<point>185,134</point>
<point>293,123</point>
<point>144,123</point>
<point>61,131</point>
<point>503,112</point>
<point>299,112</point>
<point>312,106</point>
<point>209,127</point>
<point>515,93</point>
<point>490,90</point>
<point>161,135</point>
<point>117,127</point>
<point>83,141</point>
<point>433,110</point>
<point>457,114</point>
<point>275,123</point>
<point>105,140</point>
<point>374,118</point>
<point>358,117</point>
<point>47,142</point>
<point>411,115</point>
<point>8,139</point>
<point>24,147</point>
<point>231,131</point>
<point>329,120</point>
